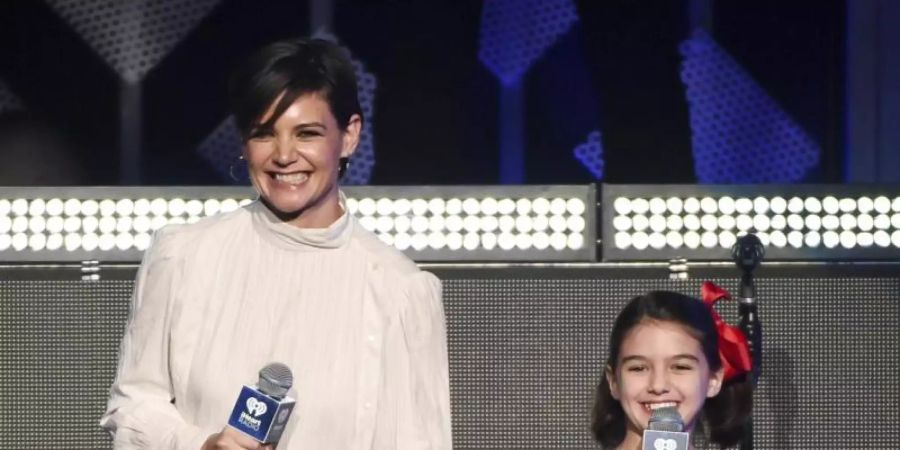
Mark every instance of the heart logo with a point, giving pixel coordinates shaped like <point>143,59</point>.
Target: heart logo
<point>256,407</point>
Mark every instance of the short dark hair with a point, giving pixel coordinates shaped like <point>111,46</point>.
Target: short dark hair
<point>724,416</point>
<point>294,67</point>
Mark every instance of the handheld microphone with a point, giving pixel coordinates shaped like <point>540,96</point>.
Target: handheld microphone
<point>262,411</point>
<point>665,431</point>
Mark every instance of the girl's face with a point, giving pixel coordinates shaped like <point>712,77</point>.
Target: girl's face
<point>661,364</point>
<point>294,164</point>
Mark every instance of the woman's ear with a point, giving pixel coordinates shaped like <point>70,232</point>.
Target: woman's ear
<point>715,382</point>
<point>613,382</point>
<point>350,136</point>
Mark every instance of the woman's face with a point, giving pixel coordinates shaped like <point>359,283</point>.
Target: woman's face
<point>294,165</point>
<point>661,364</point>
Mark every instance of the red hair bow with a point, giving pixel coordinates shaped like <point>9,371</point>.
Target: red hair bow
<point>733,348</point>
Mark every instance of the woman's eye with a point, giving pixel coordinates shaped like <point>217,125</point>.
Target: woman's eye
<point>636,368</point>
<point>682,367</point>
<point>260,134</point>
<point>308,133</point>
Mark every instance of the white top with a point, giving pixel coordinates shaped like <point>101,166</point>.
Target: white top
<point>360,326</point>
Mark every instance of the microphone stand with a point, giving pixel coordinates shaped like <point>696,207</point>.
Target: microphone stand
<point>748,253</point>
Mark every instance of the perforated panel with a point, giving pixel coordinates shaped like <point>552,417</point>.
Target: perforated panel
<point>590,153</point>
<point>526,349</point>
<point>739,133</point>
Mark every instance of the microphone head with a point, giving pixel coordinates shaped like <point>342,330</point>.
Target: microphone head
<point>275,379</point>
<point>666,419</point>
<point>748,252</point>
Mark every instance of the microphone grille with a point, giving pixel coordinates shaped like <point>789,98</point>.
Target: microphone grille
<point>275,379</point>
<point>666,419</point>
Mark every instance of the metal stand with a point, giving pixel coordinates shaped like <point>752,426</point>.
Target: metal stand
<point>748,253</point>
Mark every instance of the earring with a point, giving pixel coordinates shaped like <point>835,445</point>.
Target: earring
<point>343,165</point>
<point>231,169</point>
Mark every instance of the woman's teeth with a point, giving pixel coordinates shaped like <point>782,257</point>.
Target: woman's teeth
<point>292,178</point>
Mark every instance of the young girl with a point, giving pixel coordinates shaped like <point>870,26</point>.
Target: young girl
<point>668,349</point>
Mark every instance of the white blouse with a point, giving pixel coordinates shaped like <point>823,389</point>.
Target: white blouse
<point>361,327</point>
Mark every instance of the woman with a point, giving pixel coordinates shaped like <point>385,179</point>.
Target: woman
<point>292,278</point>
<point>667,349</point>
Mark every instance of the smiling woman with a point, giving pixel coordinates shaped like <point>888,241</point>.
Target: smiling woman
<point>292,278</point>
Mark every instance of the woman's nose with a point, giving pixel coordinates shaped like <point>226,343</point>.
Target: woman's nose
<point>285,153</point>
<point>659,382</point>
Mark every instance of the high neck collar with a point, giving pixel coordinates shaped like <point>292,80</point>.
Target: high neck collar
<point>288,236</point>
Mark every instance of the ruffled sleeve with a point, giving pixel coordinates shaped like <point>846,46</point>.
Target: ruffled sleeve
<point>141,413</point>
<point>425,423</point>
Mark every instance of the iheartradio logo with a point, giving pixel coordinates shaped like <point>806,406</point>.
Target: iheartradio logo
<point>256,407</point>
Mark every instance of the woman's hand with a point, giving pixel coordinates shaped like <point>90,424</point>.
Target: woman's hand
<point>231,439</point>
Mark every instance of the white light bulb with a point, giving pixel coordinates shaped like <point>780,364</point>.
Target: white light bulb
<point>882,222</point>
<point>437,240</point>
<point>778,205</point>
<point>795,222</point>
<point>619,223</point>
<point>507,206</point>
<point>575,224</point>
<point>882,238</point>
<point>795,239</point>
<point>541,206</point>
<point>453,223</point>
<point>760,205</point>
<point>709,222</point>
<point>640,206</point>
<point>865,205</point>
<point>831,222</point>
<point>727,222</point>
<point>37,242</point>
<point>727,239</point>
<point>107,207</point>
<point>743,205</point>
<point>19,224</point>
<point>402,224</point>
<point>419,207</point>
<point>523,241</point>
<point>692,240</point>
<point>402,241</point>
<point>558,241</point>
<point>640,240</point>
<point>865,222</point>
<point>453,206</point>
<point>19,207</point>
<point>37,224</point>
<point>55,224</point>
<point>692,222</point>
<point>72,207</point>
<point>674,239</point>
<point>89,208</point>
<point>384,207</point>
<point>142,241</point>
<point>726,205</point>
<point>848,221</point>
<point>778,239</point>
<point>488,240</point>
<point>895,205</point>
<point>90,242</point>
<point>5,224</point>
<point>107,224</point>
<point>813,222</point>
<point>437,206</point>
<point>848,239</point>
<point>895,238</point>
<point>674,223</point>
<point>384,224</point>
<point>403,206</point>
<point>471,241</point>
<point>541,240</point>
<point>490,223</point>
<point>158,222</point>
<point>812,239</point>
<point>369,223</point>
<point>419,241</point>
<point>674,205</point>
<point>107,242</point>
<point>831,239</point>
<point>387,238</point>
<point>472,223</point>
<point>657,223</point>
<point>124,224</point>
<point>847,205</point>
<point>454,241</point>
<point>194,207</point>
<point>691,205</point>
<point>640,223</point>
<point>142,207</point>
<point>523,224</point>
<point>575,241</point>
<point>621,205</point>
<point>124,241</point>
<point>865,239</point>
<point>366,207</point>
<point>37,207</point>
<point>761,222</point>
<point>657,205</point>
<point>435,223</point>
<point>471,206</point>
<point>5,242</point>
<point>228,205</point>
<point>72,241</point>
<point>558,223</point>
<point>420,223</point>
<point>763,238</point>
<point>709,205</point>
<point>507,223</point>
<point>895,221</point>
<point>744,222</point>
<point>882,205</point>
<point>489,206</point>
<point>20,241</point>
<point>5,207</point>
<point>622,240</point>
<point>812,205</point>
<point>657,240</point>
<point>124,207</point>
<point>55,207</point>
<point>831,205</point>
<point>795,205</point>
<point>523,206</point>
